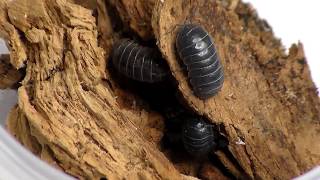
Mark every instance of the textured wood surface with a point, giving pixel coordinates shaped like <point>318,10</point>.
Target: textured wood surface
<point>268,100</point>
<point>137,15</point>
<point>64,105</point>
<point>74,114</point>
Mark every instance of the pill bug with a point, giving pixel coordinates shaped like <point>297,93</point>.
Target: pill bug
<point>138,62</point>
<point>198,53</point>
<point>198,136</point>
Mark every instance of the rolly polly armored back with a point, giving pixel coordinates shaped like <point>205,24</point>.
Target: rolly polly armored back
<point>198,136</point>
<point>138,62</point>
<point>198,53</point>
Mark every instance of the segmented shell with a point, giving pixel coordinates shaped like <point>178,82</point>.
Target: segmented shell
<point>138,62</point>
<point>198,53</point>
<point>198,136</point>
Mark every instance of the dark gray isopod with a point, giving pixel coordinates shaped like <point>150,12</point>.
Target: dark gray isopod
<point>198,53</point>
<point>138,62</point>
<point>198,136</point>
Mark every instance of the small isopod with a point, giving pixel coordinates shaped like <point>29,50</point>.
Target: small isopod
<point>198,53</point>
<point>138,62</point>
<point>198,136</point>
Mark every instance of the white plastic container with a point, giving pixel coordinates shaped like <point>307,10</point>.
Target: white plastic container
<point>16,162</point>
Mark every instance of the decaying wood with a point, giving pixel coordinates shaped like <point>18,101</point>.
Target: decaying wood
<point>268,100</point>
<point>137,15</point>
<point>104,27</point>
<point>9,76</point>
<point>71,113</point>
<point>210,172</point>
<point>18,126</point>
<point>86,4</point>
<point>8,32</point>
<point>75,116</point>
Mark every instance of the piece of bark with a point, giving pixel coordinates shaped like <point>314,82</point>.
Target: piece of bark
<point>18,127</point>
<point>105,29</point>
<point>9,76</point>
<point>14,44</point>
<point>73,115</point>
<point>137,15</point>
<point>268,101</point>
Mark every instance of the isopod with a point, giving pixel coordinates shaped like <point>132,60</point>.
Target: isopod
<point>196,49</point>
<point>138,62</point>
<point>198,136</point>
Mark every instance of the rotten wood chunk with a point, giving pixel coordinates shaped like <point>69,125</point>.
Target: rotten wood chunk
<point>104,25</point>
<point>14,43</point>
<point>9,76</point>
<point>69,110</point>
<point>268,100</point>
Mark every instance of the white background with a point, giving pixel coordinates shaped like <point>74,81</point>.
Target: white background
<point>7,97</point>
<point>293,21</point>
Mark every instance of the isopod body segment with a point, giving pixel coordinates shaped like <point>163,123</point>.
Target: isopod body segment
<point>196,49</point>
<point>198,136</point>
<point>138,62</point>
